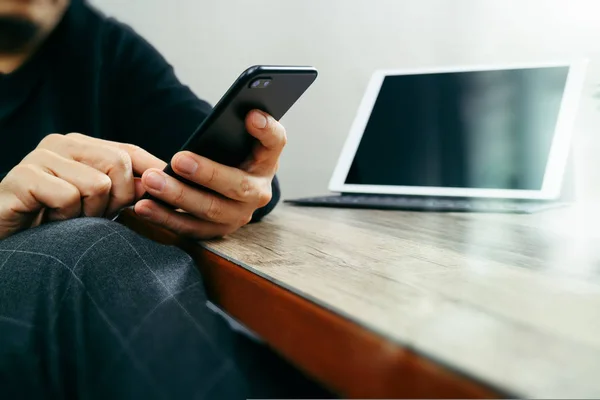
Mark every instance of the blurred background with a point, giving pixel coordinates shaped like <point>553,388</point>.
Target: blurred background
<point>210,42</point>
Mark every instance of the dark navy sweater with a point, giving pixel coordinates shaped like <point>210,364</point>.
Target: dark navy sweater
<point>96,76</point>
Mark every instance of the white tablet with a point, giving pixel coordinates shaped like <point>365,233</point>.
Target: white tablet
<point>487,131</point>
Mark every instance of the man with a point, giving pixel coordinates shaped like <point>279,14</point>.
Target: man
<point>89,112</point>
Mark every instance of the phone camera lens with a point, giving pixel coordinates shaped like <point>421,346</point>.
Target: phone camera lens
<point>256,83</point>
<point>266,83</point>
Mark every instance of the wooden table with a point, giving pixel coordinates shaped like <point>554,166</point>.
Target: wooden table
<point>409,304</point>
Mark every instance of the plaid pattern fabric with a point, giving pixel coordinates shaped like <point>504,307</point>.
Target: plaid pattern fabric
<point>89,309</point>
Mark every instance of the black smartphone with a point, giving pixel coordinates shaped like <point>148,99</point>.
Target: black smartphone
<point>222,136</point>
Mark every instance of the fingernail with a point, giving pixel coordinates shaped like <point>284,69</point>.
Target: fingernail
<point>144,212</point>
<point>259,120</point>
<point>155,181</point>
<point>186,165</point>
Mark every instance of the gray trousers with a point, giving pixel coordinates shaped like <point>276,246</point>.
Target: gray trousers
<point>89,309</point>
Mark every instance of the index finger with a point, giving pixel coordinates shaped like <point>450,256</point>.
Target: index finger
<point>141,160</point>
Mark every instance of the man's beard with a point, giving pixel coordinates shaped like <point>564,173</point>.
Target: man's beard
<point>16,34</point>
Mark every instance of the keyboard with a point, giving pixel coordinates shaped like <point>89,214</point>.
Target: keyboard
<point>415,203</point>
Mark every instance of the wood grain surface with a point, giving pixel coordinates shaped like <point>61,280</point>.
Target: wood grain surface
<point>512,301</point>
<point>353,362</point>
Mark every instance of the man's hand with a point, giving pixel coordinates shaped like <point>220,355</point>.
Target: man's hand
<point>73,175</point>
<point>239,192</point>
<point>67,176</point>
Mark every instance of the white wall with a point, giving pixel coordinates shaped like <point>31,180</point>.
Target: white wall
<point>211,41</point>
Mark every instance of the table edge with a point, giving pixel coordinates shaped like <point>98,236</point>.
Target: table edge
<point>318,340</point>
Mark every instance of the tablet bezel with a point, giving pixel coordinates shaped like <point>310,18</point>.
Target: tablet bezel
<point>557,159</point>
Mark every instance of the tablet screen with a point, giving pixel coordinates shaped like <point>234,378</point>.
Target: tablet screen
<point>478,129</point>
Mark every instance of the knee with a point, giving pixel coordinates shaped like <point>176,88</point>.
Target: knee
<point>65,245</point>
<point>78,232</point>
<point>68,235</point>
<point>92,246</point>
<point>105,259</point>
<point>69,240</point>
<point>41,265</point>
